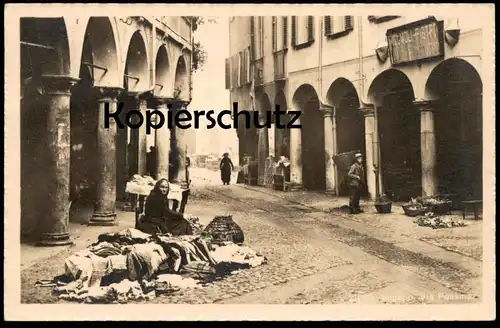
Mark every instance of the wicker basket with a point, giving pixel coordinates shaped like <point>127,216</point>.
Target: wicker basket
<point>384,207</point>
<point>413,212</point>
<point>223,228</point>
<point>440,209</point>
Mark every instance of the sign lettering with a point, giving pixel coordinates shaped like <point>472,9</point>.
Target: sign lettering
<point>417,41</point>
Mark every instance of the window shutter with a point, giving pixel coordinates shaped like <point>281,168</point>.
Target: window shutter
<point>261,36</point>
<point>252,36</point>
<point>275,36</point>
<point>294,31</point>
<point>285,32</point>
<point>328,25</point>
<point>241,68</point>
<point>349,23</point>
<point>228,72</point>
<point>310,29</point>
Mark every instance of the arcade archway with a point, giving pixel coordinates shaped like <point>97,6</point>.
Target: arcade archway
<point>457,88</point>
<point>399,133</point>
<point>306,100</point>
<point>44,51</point>
<point>99,67</point>
<point>282,135</point>
<point>350,126</point>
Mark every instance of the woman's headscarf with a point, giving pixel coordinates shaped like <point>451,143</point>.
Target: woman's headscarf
<point>156,189</point>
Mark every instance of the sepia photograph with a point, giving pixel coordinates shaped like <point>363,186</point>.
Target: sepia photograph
<point>278,156</point>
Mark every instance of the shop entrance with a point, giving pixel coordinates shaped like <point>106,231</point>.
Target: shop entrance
<point>350,126</point>
<point>313,138</point>
<point>458,125</point>
<point>399,133</point>
<point>282,136</point>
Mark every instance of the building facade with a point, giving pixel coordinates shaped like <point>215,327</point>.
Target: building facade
<point>405,92</point>
<point>75,69</point>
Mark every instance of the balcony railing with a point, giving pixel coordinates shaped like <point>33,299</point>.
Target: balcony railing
<point>280,65</point>
<point>258,71</point>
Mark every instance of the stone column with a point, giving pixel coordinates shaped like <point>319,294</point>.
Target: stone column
<point>162,142</point>
<point>141,106</point>
<point>296,158</point>
<point>263,149</point>
<point>328,112</point>
<point>371,147</point>
<point>427,147</point>
<point>105,202</point>
<point>180,146</point>
<point>54,230</point>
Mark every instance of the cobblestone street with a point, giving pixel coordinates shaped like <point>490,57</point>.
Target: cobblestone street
<point>313,258</point>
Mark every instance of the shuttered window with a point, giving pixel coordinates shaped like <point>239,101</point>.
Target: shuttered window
<point>285,32</point>
<point>252,37</point>
<point>241,68</point>
<point>228,74</point>
<point>302,31</point>
<point>275,34</point>
<point>337,26</point>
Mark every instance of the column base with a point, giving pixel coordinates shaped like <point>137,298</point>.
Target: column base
<point>55,239</point>
<point>103,219</point>
<point>330,192</point>
<point>295,187</point>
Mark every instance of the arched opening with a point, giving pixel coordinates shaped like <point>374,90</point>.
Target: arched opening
<point>399,133</point>
<point>306,100</point>
<point>135,80</point>
<point>162,78</point>
<point>265,137</point>
<point>350,125</point>
<point>162,72</point>
<point>181,87</point>
<point>44,50</point>
<point>136,66</point>
<point>181,92</point>
<point>457,87</point>
<point>282,135</point>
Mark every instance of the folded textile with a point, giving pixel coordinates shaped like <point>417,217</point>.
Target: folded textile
<point>105,249</point>
<point>174,281</point>
<point>79,265</point>
<point>238,254</point>
<point>128,237</point>
<point>144,260</point>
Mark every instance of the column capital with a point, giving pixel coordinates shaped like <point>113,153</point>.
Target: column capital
<point>141,97</point>
<point>109,94</point>
<point>424,105</point>
<point>57,84</point>
<point>367,110</point>
<point>176,102</point>
<point>328,110</point>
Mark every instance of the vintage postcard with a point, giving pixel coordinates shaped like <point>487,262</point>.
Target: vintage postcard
<point>253,162</point>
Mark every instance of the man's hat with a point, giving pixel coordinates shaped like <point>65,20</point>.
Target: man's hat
<point>358,155</point>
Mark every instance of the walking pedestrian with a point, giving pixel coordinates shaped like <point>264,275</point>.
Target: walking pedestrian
<point>226,167</point>
<point>356,176</point>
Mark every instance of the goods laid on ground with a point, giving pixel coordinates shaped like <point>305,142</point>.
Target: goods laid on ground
<point>132,265</point>
<point>140,185</point>
<point>421,205</point>
<point>436,222</point>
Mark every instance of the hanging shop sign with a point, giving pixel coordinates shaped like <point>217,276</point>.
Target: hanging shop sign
<point>420,40</point>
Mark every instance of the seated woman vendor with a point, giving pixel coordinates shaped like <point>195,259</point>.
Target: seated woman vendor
<point>159,217</point>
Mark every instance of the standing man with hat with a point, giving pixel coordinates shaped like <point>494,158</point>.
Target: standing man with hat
<point>356,177</point>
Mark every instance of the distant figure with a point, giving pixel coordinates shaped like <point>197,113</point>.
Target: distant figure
<point>151,161</point>
<point>357,180</point>
<point>226,167</point>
